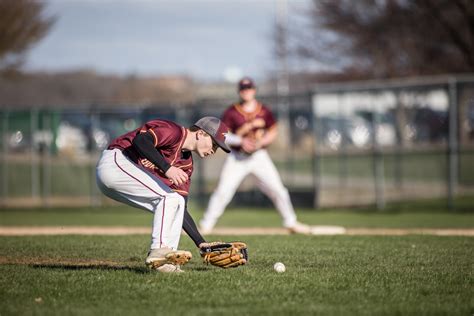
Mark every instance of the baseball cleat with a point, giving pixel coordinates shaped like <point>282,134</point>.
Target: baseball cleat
<point>169,268</point>
<point>162,256</point>
<point>300,228</point>
<point>205,231</point>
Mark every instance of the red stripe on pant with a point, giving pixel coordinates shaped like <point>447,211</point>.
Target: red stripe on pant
<point>162,196</point>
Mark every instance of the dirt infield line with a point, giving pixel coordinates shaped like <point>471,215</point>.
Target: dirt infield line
<point>319,230</point>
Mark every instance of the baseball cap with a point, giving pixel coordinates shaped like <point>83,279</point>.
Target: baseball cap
<point>246,83</point>
<point>216,128</point>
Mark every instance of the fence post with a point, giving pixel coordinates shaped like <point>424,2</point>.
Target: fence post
<point>400,123</point>
<point>316,158</point>
<point>342,150</point>
<point>452,143</point>
<point>6,115</point>
<point>35,175</point>
<point>46,163</point>
<point>379,177</point>
<point>95,199</point>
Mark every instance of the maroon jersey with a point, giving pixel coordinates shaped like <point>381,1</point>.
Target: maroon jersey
<point>169,138</point>
<point>254,124</point>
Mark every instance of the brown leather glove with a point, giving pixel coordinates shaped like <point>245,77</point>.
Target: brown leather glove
<point>224,254</point>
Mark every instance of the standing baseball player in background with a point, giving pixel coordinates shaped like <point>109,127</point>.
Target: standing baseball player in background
<point>150,168</point>
<point>253,128</point>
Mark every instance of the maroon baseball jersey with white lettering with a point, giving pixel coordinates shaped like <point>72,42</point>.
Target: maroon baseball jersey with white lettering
<point>168,140</point>
<point>254,124</point>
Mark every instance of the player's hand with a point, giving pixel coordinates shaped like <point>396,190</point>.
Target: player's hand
<point>176,175</point>
<point>249,145</point>
<point>258,123</point>
<point>244,129</point>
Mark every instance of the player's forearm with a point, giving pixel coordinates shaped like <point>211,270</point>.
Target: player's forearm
<point>233,139</point>
<point>190,228</point>
<point>269,137</point>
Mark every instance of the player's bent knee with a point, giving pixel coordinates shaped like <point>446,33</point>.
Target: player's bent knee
<point>176,199</point>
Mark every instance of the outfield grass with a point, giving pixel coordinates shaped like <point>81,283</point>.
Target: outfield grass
<point>326,275</point>
<point>94,275</point>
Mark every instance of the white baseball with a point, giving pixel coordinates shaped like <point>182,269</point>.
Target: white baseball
<point>279,267</point>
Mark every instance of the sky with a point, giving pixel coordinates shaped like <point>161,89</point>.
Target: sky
<point>207,39</point>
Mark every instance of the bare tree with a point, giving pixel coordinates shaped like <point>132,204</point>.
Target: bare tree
<point>22,24</point>
<point>387,38</point>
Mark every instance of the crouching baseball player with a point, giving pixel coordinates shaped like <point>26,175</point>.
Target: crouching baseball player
<point>150,168</point>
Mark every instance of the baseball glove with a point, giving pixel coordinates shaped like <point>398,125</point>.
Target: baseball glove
<point>224,254</point>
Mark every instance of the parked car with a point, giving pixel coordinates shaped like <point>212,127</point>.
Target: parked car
<point>427,125</point>
<point>357,131</point>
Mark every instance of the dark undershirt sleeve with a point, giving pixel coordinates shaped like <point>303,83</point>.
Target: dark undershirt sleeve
<point>144,144</point>
<point>190,228</point>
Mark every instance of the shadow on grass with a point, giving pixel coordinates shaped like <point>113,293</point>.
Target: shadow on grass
<point>91,264</point>
<point>135,269</point>
<point>94,266</point>
<point>75,264</point>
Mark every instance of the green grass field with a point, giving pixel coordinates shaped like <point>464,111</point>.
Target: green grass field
<point>326,275</point>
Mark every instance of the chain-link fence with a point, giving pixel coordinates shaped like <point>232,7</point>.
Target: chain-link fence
<point>394,140</point>
<point>351,144</point>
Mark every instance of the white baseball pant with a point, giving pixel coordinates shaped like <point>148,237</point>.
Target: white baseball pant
<point>122,180</point>
<point>235,169</point>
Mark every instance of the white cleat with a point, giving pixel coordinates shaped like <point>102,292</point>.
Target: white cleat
<point>169,268</point>
<point>165,256</point>
<point>300,228</point>
<point>205,231</point>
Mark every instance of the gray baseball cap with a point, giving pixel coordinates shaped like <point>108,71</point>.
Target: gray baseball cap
<point>216,128</point>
